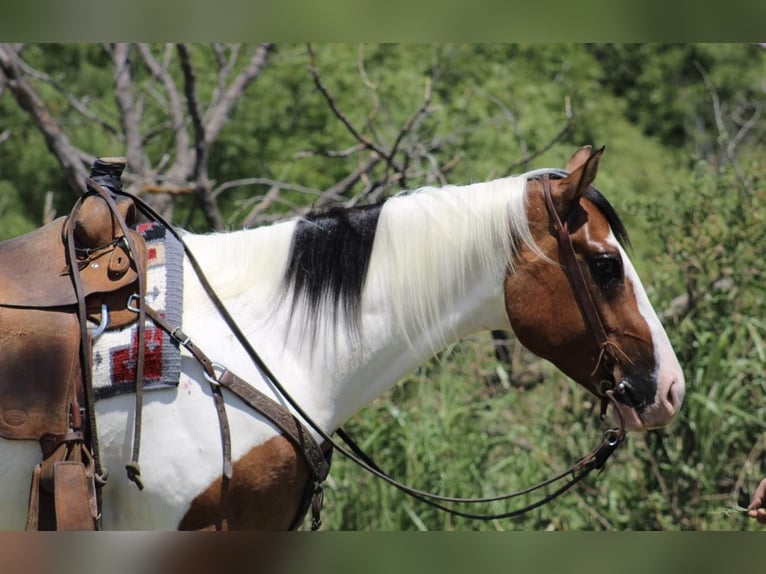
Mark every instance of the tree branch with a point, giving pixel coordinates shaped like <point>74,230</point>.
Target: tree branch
<point>123,85</point>
<point>366,142</point>
<point>73,100</point>
<point>562,132</point>
<point>219,113</point>
<point>200,174</point>
<point>30,101</point>
<point>723,134</point>
<point>342,188</point>
<point>175,108</point>
<point>225,67</point>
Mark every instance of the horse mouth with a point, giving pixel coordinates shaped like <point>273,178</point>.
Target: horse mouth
<point>643,412</point>
<point>628,407</point>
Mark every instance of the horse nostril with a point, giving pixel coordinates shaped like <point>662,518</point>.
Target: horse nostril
<point>674,396</point>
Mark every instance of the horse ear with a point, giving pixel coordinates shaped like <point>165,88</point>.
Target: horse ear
<point>578,158</point>
<point>582,168</point>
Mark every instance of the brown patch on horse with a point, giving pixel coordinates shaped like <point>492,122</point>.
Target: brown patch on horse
<point>541,305</point>
<point>265,492</point>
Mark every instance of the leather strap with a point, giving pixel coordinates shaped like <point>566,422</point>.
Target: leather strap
<point>572,270</point>
<point>288,423</point>
<point>71,496</point>
<point>133,468</point>
<point>608,350</point>
<point>284,419</point>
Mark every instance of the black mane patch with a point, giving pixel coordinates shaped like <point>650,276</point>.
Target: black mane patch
<point>328,262</point>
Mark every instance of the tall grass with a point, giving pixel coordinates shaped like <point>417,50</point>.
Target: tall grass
<point>456,428</point>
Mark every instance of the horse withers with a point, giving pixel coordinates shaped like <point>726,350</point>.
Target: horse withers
<point>342,303</point>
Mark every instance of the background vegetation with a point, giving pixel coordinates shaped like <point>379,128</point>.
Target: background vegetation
<point>345,123</point>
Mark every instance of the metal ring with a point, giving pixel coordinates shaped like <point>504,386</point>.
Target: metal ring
<point>612,437</point>
<point>214,366</point>
<point>130,305</point>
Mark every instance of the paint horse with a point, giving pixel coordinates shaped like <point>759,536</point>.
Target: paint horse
<point>341,304</point>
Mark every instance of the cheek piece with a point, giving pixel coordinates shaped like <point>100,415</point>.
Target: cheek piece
<point>611,356</point>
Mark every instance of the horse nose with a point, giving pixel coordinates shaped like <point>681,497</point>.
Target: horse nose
<point>674,397</point>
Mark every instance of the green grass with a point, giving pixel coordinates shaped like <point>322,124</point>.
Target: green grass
<point>460,427</point>
<point>451,429</point>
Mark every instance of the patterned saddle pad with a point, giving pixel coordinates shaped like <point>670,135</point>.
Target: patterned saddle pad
<point>115,352</point>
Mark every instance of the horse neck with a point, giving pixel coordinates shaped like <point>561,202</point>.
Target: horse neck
<point>435,276</point>
<point>246,264</point>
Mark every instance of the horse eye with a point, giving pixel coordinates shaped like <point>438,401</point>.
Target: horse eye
<point>606,270</point>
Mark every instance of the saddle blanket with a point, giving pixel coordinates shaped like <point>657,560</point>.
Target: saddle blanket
<point>115,352</point>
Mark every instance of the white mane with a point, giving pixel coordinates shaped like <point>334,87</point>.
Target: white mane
<point>428,243</point>
<point>431,240</point>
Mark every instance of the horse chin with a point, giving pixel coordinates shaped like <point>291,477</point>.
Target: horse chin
<point>632,419</point>
<point>653,417</point>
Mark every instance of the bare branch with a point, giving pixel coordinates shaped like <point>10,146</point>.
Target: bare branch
<point>342,188</point>
<point>723,134</point>
<point>415,120</point>
<point>511,117</point>
<point>49,212</point>
<point>166,188</point>
<point>263,181</point>
<point>123,85</point>
<point>562,132</point>
<point>265,203</point>
<point>77,103</point>
<point>192,105</point>
<point>30,101</point>
<point>369,144</point>
<point>371,86</point>
<point>225,67</point>
<point>219,113</point>
<point>200,175</point>
<point>175,109</point>
<point>745,127</point>
<point>330,153</point>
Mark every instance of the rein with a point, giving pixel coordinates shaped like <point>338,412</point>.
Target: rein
<point>318,462</point>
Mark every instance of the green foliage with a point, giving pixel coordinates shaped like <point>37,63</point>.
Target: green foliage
<point>696,220</point>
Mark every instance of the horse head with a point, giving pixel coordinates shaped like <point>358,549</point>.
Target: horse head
<point>558,320</point>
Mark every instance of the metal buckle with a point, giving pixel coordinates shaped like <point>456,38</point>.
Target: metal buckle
<point>185,341</point>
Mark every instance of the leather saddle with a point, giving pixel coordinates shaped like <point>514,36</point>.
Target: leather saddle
<point>39,329</point>
<point>41,342</point>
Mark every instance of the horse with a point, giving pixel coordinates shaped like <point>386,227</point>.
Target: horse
<point>344,302</point>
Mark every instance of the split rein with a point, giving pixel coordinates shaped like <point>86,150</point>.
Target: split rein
<point>317,462</point>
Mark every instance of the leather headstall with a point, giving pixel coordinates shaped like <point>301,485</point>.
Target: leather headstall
<point>609,353</point>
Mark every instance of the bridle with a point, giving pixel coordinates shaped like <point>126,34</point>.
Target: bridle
<point>295,429</point>
<point>610,355</point>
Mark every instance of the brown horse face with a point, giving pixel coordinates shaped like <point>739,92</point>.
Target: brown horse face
<point>546,318</point>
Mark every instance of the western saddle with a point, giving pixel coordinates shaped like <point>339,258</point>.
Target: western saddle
<point>59,283</point>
